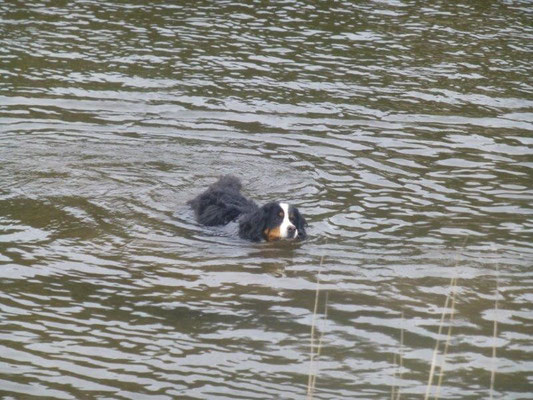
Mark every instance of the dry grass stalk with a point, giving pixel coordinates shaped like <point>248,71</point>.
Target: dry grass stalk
<point>311,381</point>
<point>319,348</point>
<point>449,297</point>
<point>401,356</point>
<point>448,338</point>
<point>395,392</point>
<point>494,335</point>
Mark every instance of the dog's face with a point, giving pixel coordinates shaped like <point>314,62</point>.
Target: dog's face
<point>282,221</point>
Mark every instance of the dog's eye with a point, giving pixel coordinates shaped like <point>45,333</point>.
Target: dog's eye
<point>291,218</point>
<point>281,214</point>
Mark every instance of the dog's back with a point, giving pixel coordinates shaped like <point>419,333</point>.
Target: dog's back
<point>222,202</point>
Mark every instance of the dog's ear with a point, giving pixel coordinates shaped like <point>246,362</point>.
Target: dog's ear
<point>252,226</point>
<point>300,223</point>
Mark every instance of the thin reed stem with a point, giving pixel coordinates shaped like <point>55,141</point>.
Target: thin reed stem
<point>436,350</point>
<point>319,348</point>
<point>393,390</point>
<point>451,295</point>
<point>401,357</point>
<point>494,334</point>
<point>448,338</point>
<point>312,373</point>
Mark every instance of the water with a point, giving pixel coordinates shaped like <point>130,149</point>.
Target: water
<point>403,131</point>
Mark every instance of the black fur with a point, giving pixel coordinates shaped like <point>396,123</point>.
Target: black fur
<point>223,202</point>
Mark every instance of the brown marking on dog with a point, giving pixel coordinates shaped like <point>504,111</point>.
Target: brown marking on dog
<point>272,234</point>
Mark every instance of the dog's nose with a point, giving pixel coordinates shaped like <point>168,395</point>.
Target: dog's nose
<point>291,230</point>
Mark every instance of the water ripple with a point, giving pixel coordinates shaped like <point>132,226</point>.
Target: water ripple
<point>402,132</point>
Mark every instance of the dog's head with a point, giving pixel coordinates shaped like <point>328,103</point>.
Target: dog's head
<point>273,221</point>
<point>282,221</point>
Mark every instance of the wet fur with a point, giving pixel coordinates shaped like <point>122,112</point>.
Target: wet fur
<point>223,202</point>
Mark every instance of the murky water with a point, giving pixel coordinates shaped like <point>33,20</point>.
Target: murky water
<point>402,130</point>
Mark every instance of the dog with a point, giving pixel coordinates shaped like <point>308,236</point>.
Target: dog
<point>223,203</point>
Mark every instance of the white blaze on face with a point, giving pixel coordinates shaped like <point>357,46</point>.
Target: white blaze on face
<point>284,227</point>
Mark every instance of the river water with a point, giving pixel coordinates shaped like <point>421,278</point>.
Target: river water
<point>402,130</point>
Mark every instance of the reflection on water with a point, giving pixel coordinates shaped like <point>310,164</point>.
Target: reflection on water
<point>403,132</point>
